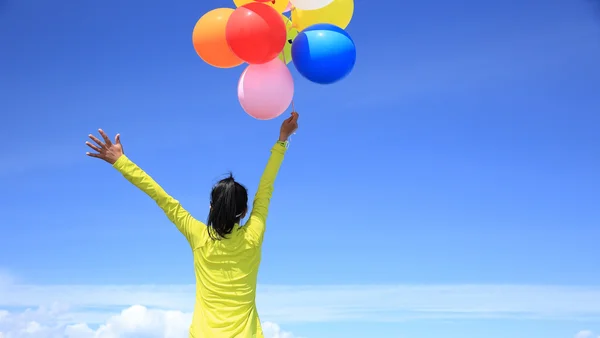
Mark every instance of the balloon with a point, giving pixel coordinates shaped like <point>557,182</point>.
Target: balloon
<point>265,91</point>
<point>286,54</point>
<point>310,4</point>
<point>289,7</point>
<point>278,5</point>
<point>324,53</point>
<point>255,33</point>
<point>210,42</point>
<point>338,12</point>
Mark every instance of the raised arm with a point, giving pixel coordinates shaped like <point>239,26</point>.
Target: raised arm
<point>182,219</point>
<point>260,208</point>
<point>113,154</point>
<point>256,224</point>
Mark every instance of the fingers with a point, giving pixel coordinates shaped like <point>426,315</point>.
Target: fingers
<point>97,141</point>
<point>105,137</point>
<point>292,118</point>
<point>93,146</point>
<point>118,140</point>
<point>93,155</point>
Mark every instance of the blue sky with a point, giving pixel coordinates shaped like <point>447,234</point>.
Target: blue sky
<point>462,150</point>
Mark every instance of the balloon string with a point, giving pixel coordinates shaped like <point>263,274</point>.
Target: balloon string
<point>293,105</point>
<point>285,62</point>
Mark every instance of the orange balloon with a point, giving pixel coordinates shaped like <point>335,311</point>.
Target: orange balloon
<point>209,39</point>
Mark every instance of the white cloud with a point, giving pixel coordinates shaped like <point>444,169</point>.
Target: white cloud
<point>272,330</point>
<point>582,334</point>
<point>94,311</point>
<point>303,304</point>
<point>135,321</point>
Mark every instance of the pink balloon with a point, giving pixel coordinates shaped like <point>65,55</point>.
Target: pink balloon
<point>289,7</point>
<point>266,90</point>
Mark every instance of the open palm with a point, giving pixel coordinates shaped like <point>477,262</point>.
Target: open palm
<point>107,150</point>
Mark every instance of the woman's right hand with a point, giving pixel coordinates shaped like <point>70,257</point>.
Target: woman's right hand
<point>288,127</point>
<point>108,151</point>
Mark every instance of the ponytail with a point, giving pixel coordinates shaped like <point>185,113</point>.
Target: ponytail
<point>228,204</point>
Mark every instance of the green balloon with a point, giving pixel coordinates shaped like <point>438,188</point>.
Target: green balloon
<point>286,53</point>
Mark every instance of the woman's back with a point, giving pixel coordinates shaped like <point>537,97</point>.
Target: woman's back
<point>226,278</point>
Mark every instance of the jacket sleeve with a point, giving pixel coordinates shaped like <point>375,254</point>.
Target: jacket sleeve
<point>193,230</point>
<point>256,224</point>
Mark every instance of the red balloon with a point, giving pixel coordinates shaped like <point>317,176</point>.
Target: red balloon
<point>256,33</point>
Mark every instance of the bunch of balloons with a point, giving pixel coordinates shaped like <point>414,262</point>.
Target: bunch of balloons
<point>259,33</point>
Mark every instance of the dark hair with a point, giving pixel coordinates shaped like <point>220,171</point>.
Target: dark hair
<point>228,203</point>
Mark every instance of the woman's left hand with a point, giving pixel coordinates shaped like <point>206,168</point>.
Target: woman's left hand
<point>108,151</point>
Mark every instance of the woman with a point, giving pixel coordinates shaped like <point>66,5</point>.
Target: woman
<point>226,255</point>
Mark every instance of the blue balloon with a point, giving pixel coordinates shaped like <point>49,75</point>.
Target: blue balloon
<point>324,53</point>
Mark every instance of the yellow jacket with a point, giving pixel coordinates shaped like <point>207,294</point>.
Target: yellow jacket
<point>227,269</point>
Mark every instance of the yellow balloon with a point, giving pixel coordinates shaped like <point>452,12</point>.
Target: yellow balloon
<point>286,53</point>
<point>338,13</point>
<point>278,5</point>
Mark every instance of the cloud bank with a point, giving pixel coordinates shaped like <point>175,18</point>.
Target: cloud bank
<point>302,304</point>
<point>152,311</point>
<point>586,334</point>
<point>136,321</point>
